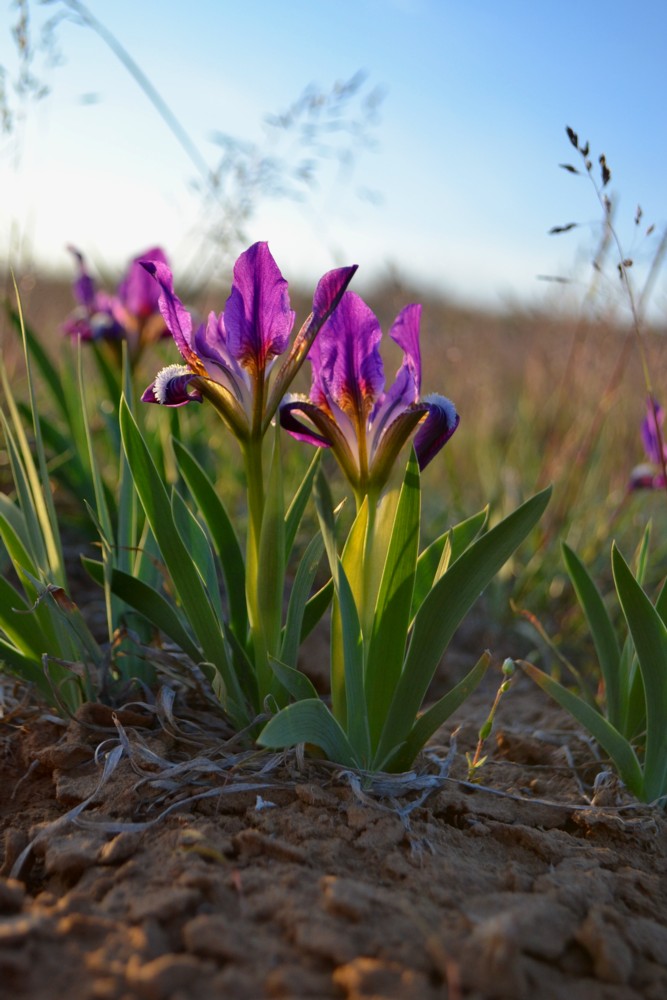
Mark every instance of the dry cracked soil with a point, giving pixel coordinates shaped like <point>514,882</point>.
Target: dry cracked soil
<point>286,878</point>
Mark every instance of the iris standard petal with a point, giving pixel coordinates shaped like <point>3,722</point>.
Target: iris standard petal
<point>347,366</point>
<point>328,294</point>
<point>329,291</point>
<point>258,318</point>
<point>405,388</point>
<point>405,333</point>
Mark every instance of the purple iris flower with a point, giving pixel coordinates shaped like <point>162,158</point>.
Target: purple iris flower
<point>131,314</point>
<point>645,477</point>
<point>348,409</point>
<point>228,359</point>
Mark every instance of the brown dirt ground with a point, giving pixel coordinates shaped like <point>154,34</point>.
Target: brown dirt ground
<point>312,887</point>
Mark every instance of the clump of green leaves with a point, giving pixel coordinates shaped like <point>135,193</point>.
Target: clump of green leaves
<point>43,637</point>
<point>630,724</point>
<point>397,610</point>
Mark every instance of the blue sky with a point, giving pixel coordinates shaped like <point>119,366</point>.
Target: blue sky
<point>471,131</point>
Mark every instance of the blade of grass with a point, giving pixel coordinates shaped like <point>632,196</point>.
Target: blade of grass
<point>602,631</point>
<point>298,600</point>
<point>222,534</point>
<point>434,717</point>
<point>444,609</point>
<point>186,579</point>
<point>649,635</point>
<point>147,601</point>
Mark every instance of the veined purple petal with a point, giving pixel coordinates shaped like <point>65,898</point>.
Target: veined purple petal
<point>406,386</point>
<point>405,332</point>
<point>650,437</point>
<point>441,422</point>
<point>174,313</point>
<point>329,291</point>
<point>347,366</point>
<point>258,318</point>
<point>138,291</point>
<point>170,387</point>
<point>219,365</point>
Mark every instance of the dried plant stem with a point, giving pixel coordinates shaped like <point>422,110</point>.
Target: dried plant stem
<point>623,269</point>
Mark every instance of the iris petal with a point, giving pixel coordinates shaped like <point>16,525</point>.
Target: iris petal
<point>258,318</point>
<point>328,294</point>
<point>644,477</point>
<point>297,428</point>
<point>347,366</point>
<point>170,387</point>
<point>651,439</point>
<point>441,422</point>
<point>84,286</point>
<point>174,313</point>
<point>330,433</point>
<point>405,332</point>
<point>211,347</point>
<point>138,291</point>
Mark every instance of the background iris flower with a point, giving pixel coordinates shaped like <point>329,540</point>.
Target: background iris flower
<point>348,409</point>
<point>131,314</point>
<point>647,477</point>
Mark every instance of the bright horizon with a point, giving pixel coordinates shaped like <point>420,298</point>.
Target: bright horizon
<point>460,190</point>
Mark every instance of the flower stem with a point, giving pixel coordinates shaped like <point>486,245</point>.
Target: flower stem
<point>252,455</point>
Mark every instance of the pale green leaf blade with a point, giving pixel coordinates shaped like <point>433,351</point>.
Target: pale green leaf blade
<point>394,603</point>
<point>271,576</point>
<point>36,467</point>
<point>184,574</point>
<point>602,631</point>
<point>24,666</point>
<point>19,625</point>
<point>649,635</point>
<point>33,523</point>
<point>357,727</point>
<point>147,601</point>
<point>195,540</point>
<point>433,562</point>
<point>297,507</point>
<point>315,608</point>
<point>222,533</point>
<point>309,721</point>
<point>298,600</point>
<point>294,681</point>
